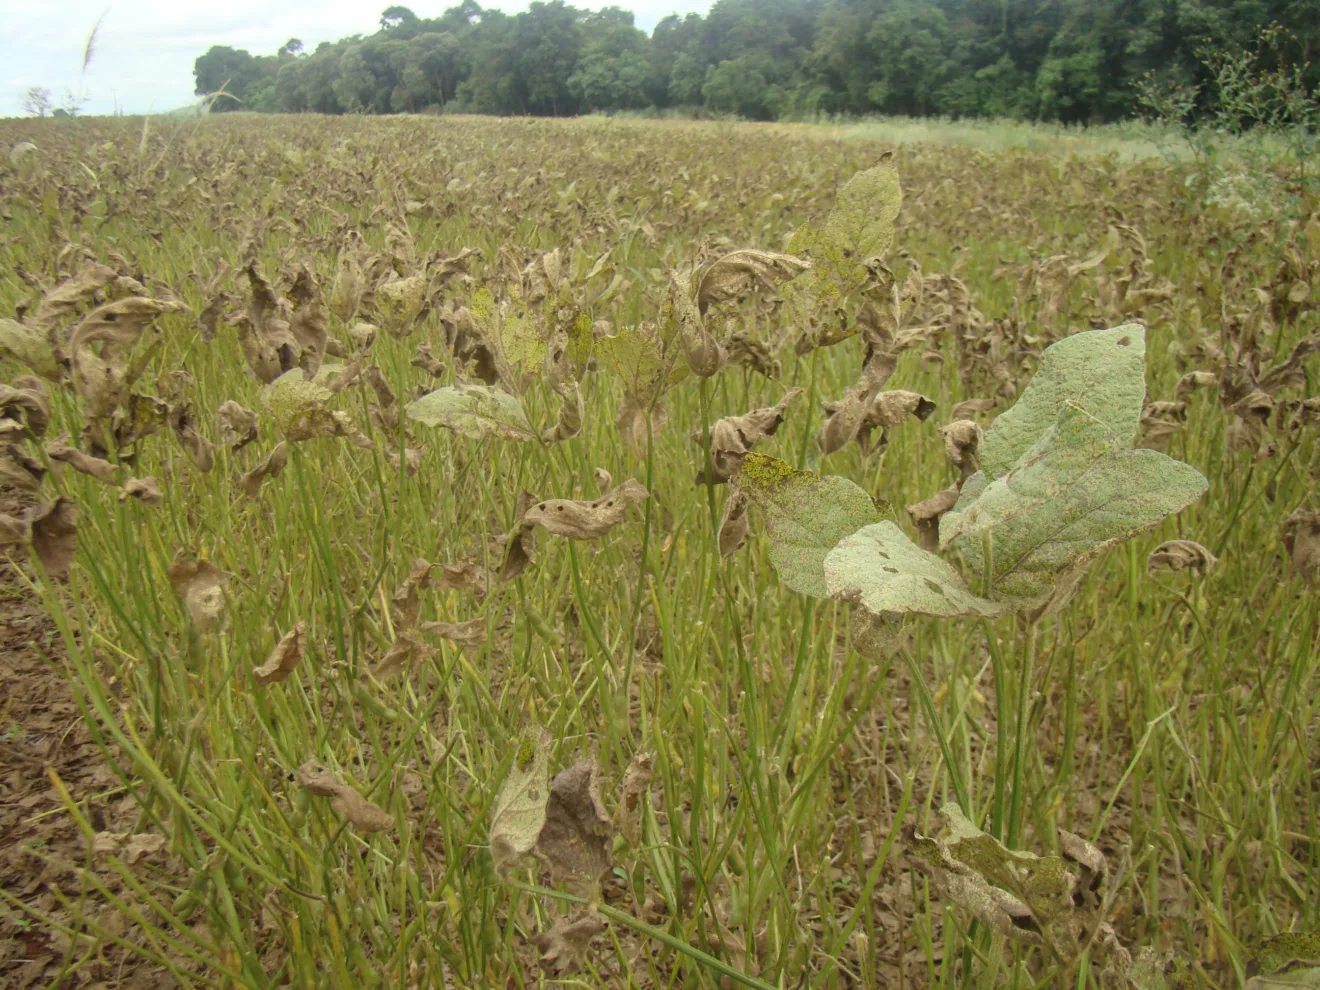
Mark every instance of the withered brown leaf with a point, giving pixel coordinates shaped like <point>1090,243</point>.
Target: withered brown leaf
<point>733,436</point>
<point>575,839</point>
<point>95,467</point>
<point>1181,555</point>
<point>288,653</point>
<point>238,426</point>
<point>53,530</point>
<point>144,490</point>
<point>250,483</point>
<point>317,778</point>
<point>583,520</point>
<point>201,585</point>
<point>564,946</point>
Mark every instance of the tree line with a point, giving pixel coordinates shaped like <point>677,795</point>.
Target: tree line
<point>1073,61</point>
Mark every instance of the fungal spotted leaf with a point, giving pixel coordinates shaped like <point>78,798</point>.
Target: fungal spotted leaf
<point>587,520</point>
<point>1102,372</point>
<point>1077,491</point>
<point>884,572</point>
<point>288,653</point>
<point>806,515</point>
<point>519,811</point>
<point>318,779</point>
<point>575,839</point>
<point>518,342</point>
<point>1289,959</point>
<point>301,409</point>
<point>473,411</point>
<point>860,226</point>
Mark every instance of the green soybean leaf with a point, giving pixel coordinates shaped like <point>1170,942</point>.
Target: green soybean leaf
<point>474,411</point>
<point>884,572</point>
<point>859,226</point>
<point>1100,371</point>
<point>806,516</point>
<point>1076,492</point>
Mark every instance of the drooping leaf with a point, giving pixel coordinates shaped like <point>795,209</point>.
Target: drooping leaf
<point>473,411</point>
<point>806,515</point>
<point>407,652</point>
<point>1102,372</point>
<point>884,572</point>
<point>470,634</point>
<point>735,524</point>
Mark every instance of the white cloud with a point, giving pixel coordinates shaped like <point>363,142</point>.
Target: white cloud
<point>145,49</point>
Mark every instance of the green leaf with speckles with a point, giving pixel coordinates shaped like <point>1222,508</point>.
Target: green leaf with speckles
<point>473,411</point>
<point>1077,491</point>
<point>884,572</point>
<point>1100,371</point>
<point>806,515</point>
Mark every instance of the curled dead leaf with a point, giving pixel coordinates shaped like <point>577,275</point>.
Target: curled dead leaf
<point>238,426</point>
<point>201,585</point>
<point>53,532</point>
<point>636,783</point>
<point>1181,555</point>
<point>25,402</point>
<point>1301,538</point>
<point>102,471</point>
<point>564,946</point>
<point>1192,381</point>
<point>470,635</point>
<point>317,778</point>
<point>407,652</point>
<point>968,408</point>
<point>288,653</point>
<point>926,515</point>
<point>185,429</point>
<point>1159,422</point>
<point>127,846</point>
<point>962,444</point>
<point>735,524</point>
<point>733,436</point>
<point>144,490</point>
<point>519,542</point>
<point>250,483</point>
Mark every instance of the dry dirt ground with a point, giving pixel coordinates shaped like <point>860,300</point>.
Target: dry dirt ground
<point>44,856</point>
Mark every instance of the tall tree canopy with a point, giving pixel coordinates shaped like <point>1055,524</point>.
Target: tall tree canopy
<point>1065,60</point>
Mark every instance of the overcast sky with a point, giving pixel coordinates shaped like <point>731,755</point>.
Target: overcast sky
<point>145,49</point>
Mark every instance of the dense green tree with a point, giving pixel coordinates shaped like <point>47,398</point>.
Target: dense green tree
<point>1068,60</point>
